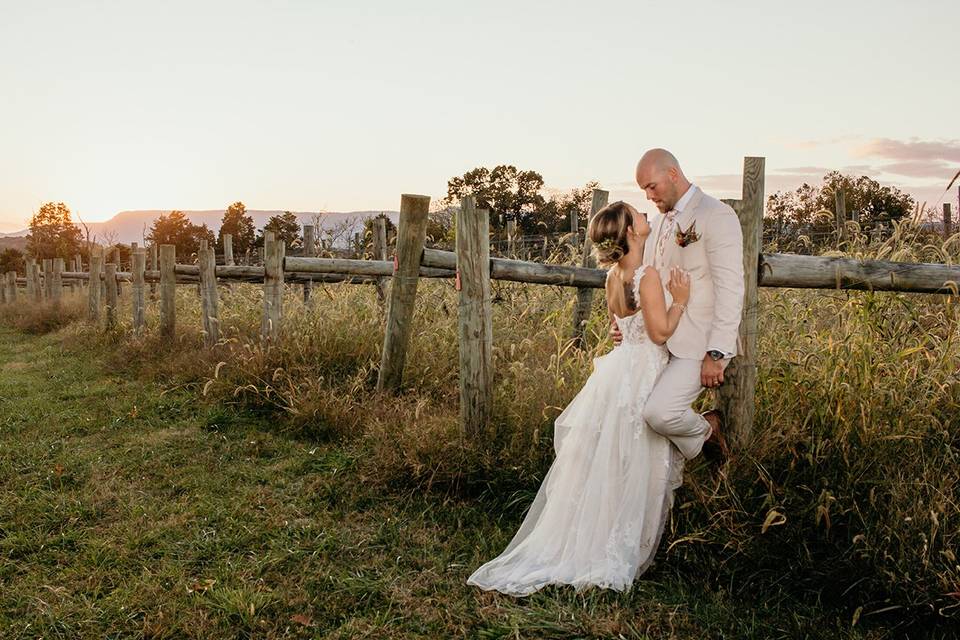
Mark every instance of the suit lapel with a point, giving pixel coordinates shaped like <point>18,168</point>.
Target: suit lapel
<point>683,221</point>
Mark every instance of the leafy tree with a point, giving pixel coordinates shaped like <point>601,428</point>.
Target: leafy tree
<point>176,229</point>
<point>809,209</point>
<point>52,233</point>
<point>11,260</point>
<point>285,226</point>
<point>554,216</point>
<point>240,226</point>
<point>504,191</point>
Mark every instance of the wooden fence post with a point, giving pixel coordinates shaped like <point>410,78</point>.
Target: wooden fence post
<point>208,297</point>
<point>380,253</point>
<point>138,302</point>
<point>93,287</point>
<point>11,285</point>
<point>309,250</point>
<point>168,291</point>
<point>154,265</point>
<point>581,311</point>
<point>737,394</point>
<point>110,275</point>
<point>28,272</point>
<point>475,318</point>
<point>78,267</point>
<point>840,214</point>
<point>37,283</point>
<point>273,252</point>
<point>48,278</point>
<point>228,249</point>
<point>57,280</point>
<point>947,221</point>
<point>411,235</point>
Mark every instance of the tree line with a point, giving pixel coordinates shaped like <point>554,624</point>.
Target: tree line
<point>798,220</point>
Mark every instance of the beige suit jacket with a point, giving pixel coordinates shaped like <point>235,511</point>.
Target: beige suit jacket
<point>715,264</point>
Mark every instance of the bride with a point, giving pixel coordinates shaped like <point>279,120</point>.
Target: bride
<point>600,511</point>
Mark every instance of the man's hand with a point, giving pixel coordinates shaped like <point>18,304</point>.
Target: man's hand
<point>615,333</point>
<point>711,372</point>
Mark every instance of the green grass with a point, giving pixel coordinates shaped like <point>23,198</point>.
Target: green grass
<point>130,510</point>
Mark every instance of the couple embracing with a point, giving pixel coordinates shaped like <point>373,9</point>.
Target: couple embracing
<point>674,294</point>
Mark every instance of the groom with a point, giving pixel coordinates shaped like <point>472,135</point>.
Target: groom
<point>701,235</point>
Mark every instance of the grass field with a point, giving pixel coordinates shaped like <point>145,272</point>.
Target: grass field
<point>153,489</point>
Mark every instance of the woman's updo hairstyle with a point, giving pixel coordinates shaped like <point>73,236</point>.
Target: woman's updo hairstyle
<point>608,232</point>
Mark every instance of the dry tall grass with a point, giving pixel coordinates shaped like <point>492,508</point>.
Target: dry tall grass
<point>847,490</point>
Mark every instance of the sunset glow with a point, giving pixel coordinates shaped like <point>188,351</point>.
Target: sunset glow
<point>336,106</point>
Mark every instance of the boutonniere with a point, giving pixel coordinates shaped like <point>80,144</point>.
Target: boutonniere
<point>688,237</point>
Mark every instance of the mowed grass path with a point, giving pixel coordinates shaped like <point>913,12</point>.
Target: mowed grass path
<point>128,510</point>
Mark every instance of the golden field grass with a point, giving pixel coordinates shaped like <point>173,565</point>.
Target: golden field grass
<point>839,519</point>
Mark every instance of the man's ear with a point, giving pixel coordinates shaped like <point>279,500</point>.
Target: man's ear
<point>673,173</point>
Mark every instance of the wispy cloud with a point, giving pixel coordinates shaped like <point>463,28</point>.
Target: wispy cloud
<point>913,158</point>
<point>913,149</point>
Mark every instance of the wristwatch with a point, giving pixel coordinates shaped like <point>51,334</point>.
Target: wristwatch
<point>715,354</point>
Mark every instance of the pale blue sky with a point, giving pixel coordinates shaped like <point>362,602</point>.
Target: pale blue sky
<point>345,105</point>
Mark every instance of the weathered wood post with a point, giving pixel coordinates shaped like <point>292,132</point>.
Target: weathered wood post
<point>475,318</point>
<point>154,265</point>
<point>228,249</point>
<point>78,267</point>
<point>581,311</point>
<point>11,284</point>
<point>37,283</point>
<point>574,228</point>
<point>380,253</point>
<point>28,272</point>
<point>208,299</point>
<point>273,252</point>
<point>736,395</point>
<point>411,235</point>
<point>93,287</point>
<point>309,250</point>
<point>947,221</point>
<point>168,291</point>
<point>840,214</point>
<point>57,280</point>
<point>110,275</point>
<point>138,301</point>
<point>48,278</point>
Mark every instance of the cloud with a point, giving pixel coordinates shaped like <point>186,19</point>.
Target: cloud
<point>913,149</point>
<point>937,169</point>
<point>806,171</point>
<point>914,158</point>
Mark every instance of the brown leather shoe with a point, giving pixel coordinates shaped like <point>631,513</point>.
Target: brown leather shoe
<point>716,444</point>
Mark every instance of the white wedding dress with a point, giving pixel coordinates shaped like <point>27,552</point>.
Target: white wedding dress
<point>601,509</point>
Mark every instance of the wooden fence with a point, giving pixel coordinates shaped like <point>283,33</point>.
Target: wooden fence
<point>473,269</point>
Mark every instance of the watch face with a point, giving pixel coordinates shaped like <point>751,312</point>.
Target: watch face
<point>716,355</point>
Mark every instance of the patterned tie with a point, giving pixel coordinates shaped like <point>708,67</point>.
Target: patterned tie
<point>665,231</point>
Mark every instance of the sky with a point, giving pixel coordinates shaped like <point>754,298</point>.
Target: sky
<point>339,106</point>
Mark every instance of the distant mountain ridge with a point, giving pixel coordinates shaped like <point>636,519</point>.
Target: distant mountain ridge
<point>131,226</point>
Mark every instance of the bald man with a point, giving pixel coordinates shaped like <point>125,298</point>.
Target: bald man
<point>701,235</point>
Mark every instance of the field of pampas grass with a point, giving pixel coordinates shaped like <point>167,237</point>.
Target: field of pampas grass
<point>846,498</point>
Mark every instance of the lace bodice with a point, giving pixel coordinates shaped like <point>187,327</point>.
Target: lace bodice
<point>632,327</point>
